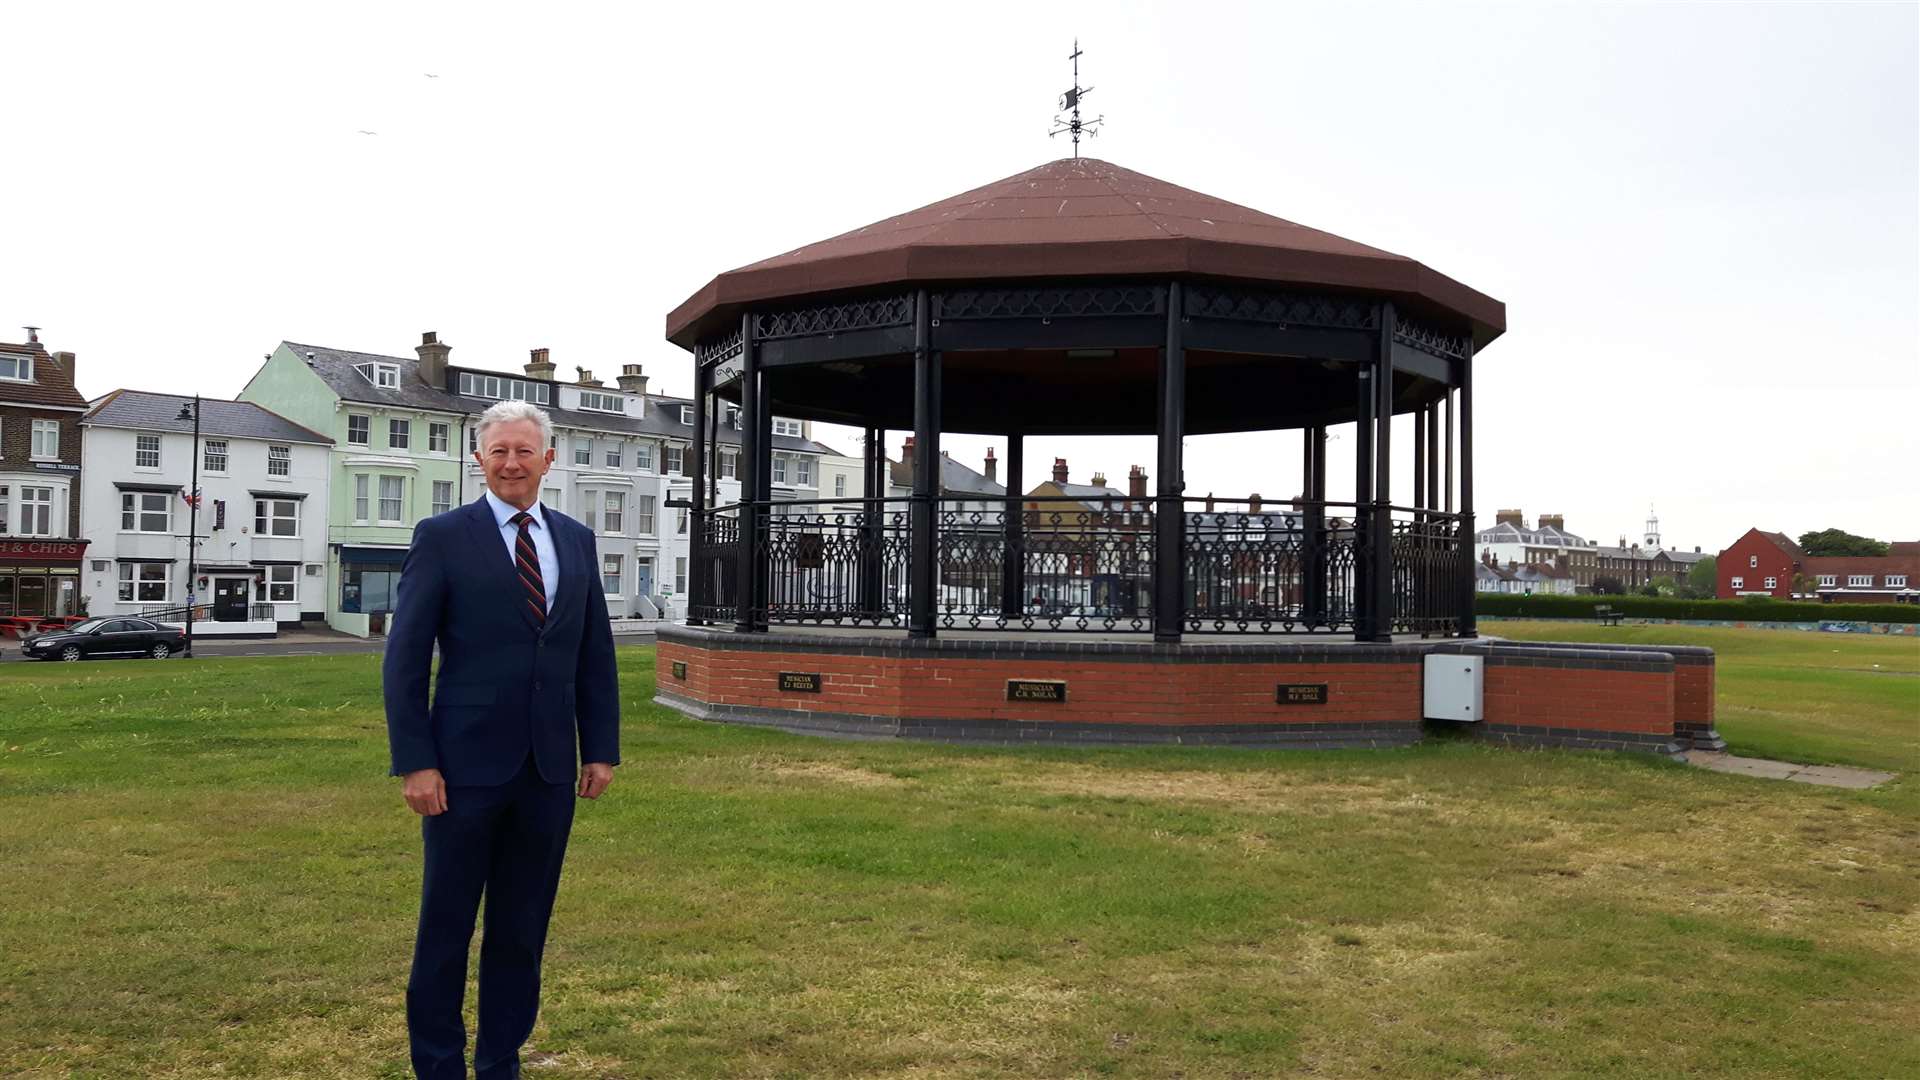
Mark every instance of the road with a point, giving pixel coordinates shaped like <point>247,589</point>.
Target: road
<point>10,650</point>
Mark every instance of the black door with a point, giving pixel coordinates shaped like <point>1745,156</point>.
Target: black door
<point>230,600</point>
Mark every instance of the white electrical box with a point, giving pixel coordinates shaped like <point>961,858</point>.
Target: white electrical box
<point>1453,688</point>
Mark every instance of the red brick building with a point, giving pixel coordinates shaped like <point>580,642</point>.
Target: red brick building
<point>40,545</point>
<point>1770,564</point>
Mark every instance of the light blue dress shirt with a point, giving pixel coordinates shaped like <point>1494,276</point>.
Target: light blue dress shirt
<point>542,541</point>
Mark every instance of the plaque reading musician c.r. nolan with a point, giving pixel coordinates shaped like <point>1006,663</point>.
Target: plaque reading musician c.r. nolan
<point>1036,690</point>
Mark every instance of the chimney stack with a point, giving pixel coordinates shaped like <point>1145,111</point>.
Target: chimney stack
<point>631,380</point>
<point>1137,483</point>
<point>993,466</point>
<point>586,377</point>
<point>64,361</point>
<point>541,365</point>
<point>433,359</point>
<point>1553,521</point>
<point>1059,470</point>
<point>1509,517</point>
<point>1099,479</point>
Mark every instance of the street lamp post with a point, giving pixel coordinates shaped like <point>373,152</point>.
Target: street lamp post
<point>192,412</point>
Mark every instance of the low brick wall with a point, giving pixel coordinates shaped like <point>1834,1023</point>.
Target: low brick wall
<point>1580,696</point>
<point>1114,692</point>
<point>1587,696</point>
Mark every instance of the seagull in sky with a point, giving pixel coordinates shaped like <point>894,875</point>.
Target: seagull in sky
<point>364,131</point>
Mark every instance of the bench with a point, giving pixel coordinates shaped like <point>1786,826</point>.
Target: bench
<point>1606,614</point>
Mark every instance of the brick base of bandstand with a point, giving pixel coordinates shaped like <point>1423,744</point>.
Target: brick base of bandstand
<point>1311,694</point>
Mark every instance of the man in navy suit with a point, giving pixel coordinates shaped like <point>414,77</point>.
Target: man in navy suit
<point>507,589</point>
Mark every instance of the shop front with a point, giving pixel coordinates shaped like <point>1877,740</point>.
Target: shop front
<point>40,579</point>
<point>368,576</point>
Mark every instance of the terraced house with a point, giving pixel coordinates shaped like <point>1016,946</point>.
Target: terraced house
<point>260,557</point>
<point>404,428</point>
<point>41,547</point>
<point>397,438</point>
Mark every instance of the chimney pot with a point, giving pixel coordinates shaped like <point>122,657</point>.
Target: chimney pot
<point>433,358</point>
<point>632,379</point>
<point>540,364</point>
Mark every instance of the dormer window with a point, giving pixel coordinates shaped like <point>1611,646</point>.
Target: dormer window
<point>16,368</point>
<point>599,402</point>
<point>686,414</point>
<point>786,427</point>
<point>384,376</point>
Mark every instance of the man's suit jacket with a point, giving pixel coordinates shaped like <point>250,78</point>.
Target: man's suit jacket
<point>507,686</point>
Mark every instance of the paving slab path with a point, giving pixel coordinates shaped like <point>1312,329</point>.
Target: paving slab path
<point>1840,776</point>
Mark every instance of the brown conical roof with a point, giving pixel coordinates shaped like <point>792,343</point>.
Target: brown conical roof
<point>1080,217</point>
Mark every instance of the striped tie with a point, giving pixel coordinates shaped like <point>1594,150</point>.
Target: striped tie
<point>527,561</point>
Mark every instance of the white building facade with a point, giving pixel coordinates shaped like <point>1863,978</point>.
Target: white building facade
<point>261,526</point>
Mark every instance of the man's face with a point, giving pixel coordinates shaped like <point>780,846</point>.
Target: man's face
<point>515,457</point>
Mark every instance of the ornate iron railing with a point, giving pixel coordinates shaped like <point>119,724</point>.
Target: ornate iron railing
<point>840,562</point>
<point>1431,571</point>
<point>1087,565</point>
<point>713,590</point>
<point>1254,568</point>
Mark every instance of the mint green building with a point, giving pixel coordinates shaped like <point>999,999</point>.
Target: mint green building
<point>398,444</point>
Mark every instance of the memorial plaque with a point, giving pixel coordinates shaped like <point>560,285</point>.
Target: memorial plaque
<point>800,682</point>
<point>680,670</point>
<point>1035,690</point>
<point>1302,693</point>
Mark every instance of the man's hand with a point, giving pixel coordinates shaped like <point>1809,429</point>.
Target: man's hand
<point>426,792</point>
<point>594,778</point>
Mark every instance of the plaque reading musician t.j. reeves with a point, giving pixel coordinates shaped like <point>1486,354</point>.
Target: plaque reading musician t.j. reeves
<point>1036,690</point>
<point>804,682</point>
<point>1301,694</point>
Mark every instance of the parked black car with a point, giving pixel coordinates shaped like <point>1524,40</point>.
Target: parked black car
<point>106,637</point>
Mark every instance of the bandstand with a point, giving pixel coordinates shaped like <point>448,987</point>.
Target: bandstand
<point>1080,298</point>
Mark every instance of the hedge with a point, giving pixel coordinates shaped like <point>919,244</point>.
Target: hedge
<point>1748,609</point>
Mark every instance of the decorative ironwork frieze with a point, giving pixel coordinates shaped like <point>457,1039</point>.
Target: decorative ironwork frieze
<point>827,319</point>
<point>717,349</point>
<point>1431,339</point>
<point>1273,307</point>
<point>1049,302</point>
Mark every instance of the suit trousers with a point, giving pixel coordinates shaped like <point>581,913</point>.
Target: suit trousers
<point>505,842</point>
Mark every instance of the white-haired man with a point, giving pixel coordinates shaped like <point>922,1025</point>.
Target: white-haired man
<point>505,587</point>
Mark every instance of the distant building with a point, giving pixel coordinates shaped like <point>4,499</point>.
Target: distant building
<point>1770,564</point>
<point>1509,542</point>
<point>40,539</point>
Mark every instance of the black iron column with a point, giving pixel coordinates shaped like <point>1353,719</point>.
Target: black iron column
<point>696,549</point>
<point>1449,445</point>
<point>1013,560</point>
<point>1469,626</point>
<point>745,577</point>
<point>1313,528</point>
<point>925,575</point>
<point>1363,560</point>
<point>873,516</point>
<point>1433,456</point>
<point>1380,597</point>
<point>1169,521</point>
<point>1419,459</point>
<point>763,500</point>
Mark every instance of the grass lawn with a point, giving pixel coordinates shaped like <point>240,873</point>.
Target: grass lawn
<point>203,872</point>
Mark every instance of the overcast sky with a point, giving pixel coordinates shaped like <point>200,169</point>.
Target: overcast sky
<point>1702,217</point>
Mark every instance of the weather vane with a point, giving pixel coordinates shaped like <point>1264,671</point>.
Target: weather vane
<point>1070,104</point>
